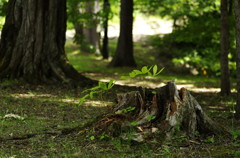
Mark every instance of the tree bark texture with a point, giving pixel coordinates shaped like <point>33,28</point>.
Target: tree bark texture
<point>161,112</point>
<point>32,42</point>
<point>124,52</point>
<point>225,73</point>
<point>237,16</point>
<point>106,10</point>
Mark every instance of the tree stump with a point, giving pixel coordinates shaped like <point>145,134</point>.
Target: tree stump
<point>160,112</point>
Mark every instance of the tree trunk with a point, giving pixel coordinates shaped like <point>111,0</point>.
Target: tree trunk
<point>225,74</point>
<point>32,42</point>
<point>124,52</point>
<point>237,15</point>
<point>91,36</point>
<point>162,112</point>
<point>74,15</point>
<point>106,10</point>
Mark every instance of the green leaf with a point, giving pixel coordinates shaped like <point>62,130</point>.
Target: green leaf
<point>154,92</point>
<point>160,71</point>
<point>94,88</point>
<point>150,117</point>
<point>91,95</point>
<point>111,84</point>
<point>155,68</point>
<point>150,74</point>
<point>134,123</point>
<point>128,109</point>
<point>125,77</point>
<point>102,85</point>
<point>92,138</point>
<point>145,70</point>
<point>132,74</point>
<point>83,99</point>
<point>137,72</point>
<point>209,140</point>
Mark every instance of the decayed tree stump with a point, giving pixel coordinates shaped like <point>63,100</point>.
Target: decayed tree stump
<point>159,112</point>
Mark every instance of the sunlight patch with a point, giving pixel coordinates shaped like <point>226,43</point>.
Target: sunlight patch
<point>30,95</point>
<point>96,103</point>
<point>73,101</point>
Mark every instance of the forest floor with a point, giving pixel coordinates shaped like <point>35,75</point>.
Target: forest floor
<point>40,114</point>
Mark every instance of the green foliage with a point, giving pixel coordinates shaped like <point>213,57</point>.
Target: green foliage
<point>235,134</point>
<point>102,87</point>
<point>128,109</point>
<point>92,138</point>
<point>152,71</point>
<point>150,117</point>
<point>3,7</point>
<point>134,123</point>
<point>209,140</point>
<point>194,43</point>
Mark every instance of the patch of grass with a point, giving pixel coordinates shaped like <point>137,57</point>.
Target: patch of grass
<point>47,110</point>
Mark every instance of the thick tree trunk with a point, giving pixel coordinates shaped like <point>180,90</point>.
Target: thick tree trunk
<point>32,42</point>
<point>106,10</point>
<point>225,74</point>
<point>237,14</point>
<point>161,112</point>
<point>124,52</point>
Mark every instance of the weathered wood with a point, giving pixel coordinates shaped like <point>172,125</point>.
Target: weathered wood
<point>163,111</point>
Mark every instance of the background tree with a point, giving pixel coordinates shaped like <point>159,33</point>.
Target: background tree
<point>32,42</point>
<point>124,52</point>
<point>225,81</point>
<point>106,11</point>
<point>91,35</point>
<point>237,15</point>
<point>74,16</point>
<point>84,15</point>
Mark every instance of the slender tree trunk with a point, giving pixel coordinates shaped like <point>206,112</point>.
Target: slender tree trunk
<point>91,36</point>
<point>237,14</point>
<point>225,74</point>
<point>106,10</point>
<point>32,42</point>
<point>124,52</point>
<point>75,12</point>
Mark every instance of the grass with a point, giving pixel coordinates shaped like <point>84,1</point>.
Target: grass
<point>48,110</point>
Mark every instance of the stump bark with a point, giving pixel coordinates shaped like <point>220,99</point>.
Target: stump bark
<point>160,112</point>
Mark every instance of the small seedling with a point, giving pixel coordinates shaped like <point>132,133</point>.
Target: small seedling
<point>128,109</point>
<point>92,138</point>
<point>209,140</point>
<point>152,71</point>
<point>150,118</point>
<point>134,123</point>
<point>102,87</point>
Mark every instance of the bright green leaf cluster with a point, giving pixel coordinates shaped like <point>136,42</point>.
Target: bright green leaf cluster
<point>150,117</point>
<point>152,71</point>
<point>128,109</point>
<point>102,86</point>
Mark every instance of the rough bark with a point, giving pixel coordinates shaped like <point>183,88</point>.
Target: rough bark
<point>124,52</point>
<point>161,112</point>
<point>106,10</point>
<point>237,16</point>
<point>32,42</point>
<point>225,74</point>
